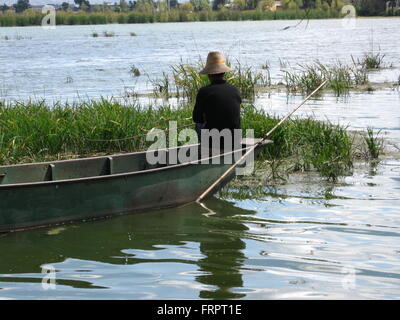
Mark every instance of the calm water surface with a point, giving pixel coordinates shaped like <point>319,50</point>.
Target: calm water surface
<point>68,63</point>
<point>307,239</point>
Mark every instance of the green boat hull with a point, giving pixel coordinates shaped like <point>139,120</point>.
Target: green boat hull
<point>44,194</point>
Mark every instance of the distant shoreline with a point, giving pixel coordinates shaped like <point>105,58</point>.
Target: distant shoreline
<point>65,18</point>
<point>34,18</point>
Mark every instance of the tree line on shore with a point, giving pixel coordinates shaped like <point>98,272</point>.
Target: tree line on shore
<point>149,11</point>
<point>364,7</point>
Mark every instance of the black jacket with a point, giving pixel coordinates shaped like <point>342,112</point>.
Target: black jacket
<point>218,106</point>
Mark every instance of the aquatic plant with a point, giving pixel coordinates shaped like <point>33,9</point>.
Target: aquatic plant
<point>108,34</point>
<point>161,87</point>
<point>374,143</point>
<point>135,71</point>
<point>306,143</point>
<point>185,81</point>
<point>266,66</point>
<point>372,61</point>
<point>306,78</point>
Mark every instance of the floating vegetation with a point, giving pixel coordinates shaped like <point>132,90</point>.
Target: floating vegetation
<point>133,34</point>
<point>108,34</point>
<point>16,37</point>
<point>135,71</point>
<point>69,79</point>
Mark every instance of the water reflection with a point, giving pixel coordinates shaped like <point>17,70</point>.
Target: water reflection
<point>296,240</point>
<point>80,252</point>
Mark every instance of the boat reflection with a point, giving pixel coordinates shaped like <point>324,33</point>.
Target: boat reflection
<point>121,240</point>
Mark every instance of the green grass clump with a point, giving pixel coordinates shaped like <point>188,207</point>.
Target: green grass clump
<point>372,61</point>
<point>186,81</point>
<point>307,144</point>
<point>306,78</point>
<point>374,144</point>
<point>35,132</point>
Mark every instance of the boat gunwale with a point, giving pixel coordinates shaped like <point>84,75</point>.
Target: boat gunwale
<point>125,174</point>
<point>91,158</point>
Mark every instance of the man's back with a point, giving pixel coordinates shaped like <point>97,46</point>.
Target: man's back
<point>218,106</point>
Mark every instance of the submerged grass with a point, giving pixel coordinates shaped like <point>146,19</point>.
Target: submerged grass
<point>35,132</point>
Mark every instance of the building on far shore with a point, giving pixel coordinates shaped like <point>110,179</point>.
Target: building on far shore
<point>40,7</point>
<point>277,5</point>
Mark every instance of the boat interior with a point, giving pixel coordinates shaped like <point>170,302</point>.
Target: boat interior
<point>92,167</point>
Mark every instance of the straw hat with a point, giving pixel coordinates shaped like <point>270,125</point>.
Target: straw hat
<point>215,64</point>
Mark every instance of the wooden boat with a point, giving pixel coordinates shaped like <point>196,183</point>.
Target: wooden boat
<point>47,193</point>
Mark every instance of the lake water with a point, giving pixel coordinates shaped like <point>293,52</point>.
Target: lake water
<point>68,63</point>
<point>306,239</point>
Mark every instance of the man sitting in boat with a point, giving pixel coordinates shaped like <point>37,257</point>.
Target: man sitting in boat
<point>217,105</point>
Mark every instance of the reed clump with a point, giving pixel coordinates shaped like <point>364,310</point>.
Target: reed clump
<point>372,61</point>
<point>185,81</point>
<point>305,144</point>
<point>307,77</point>
<point>374,143</point>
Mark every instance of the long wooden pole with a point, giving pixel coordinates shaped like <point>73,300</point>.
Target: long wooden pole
<point>205,193</point>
